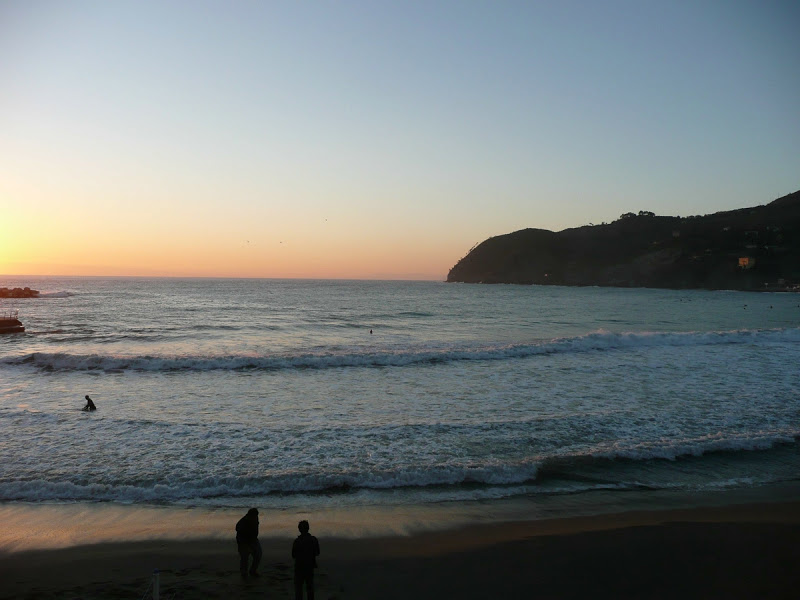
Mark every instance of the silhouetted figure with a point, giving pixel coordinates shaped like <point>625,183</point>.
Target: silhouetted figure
<point>370,331</point>
<point>247,541</point>
<point>304,552</point>
<point>89,404</point>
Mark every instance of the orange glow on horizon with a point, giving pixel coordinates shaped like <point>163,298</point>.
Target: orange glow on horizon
<point>249,259</point>
<point>163,236</point>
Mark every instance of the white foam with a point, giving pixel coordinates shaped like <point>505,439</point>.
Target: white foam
<point>698,446</point>
<point>230,487</point>
<point>492,479</point>
<point>594,342</point>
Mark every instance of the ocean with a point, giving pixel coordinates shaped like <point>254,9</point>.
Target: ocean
<point>387,396</point>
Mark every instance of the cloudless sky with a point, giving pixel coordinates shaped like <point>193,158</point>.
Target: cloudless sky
<point>372,139</point>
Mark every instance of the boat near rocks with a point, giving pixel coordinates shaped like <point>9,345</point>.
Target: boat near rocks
<point>10,323</point>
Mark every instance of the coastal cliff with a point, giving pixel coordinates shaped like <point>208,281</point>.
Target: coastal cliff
<point>754,248</point>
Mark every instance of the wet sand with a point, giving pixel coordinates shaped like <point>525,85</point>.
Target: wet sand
<point>743,551</point>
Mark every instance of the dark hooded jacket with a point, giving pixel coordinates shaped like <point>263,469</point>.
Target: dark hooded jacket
<point>247,529</point>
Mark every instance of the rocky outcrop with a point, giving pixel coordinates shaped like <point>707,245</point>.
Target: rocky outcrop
<point>25,292</point>
<point>10,325</point>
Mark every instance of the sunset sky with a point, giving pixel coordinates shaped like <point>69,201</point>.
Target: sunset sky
<point>372,139</point>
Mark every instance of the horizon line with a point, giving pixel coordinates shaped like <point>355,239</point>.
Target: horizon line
<point>6,275</point>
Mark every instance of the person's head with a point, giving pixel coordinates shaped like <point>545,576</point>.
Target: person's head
<point>87,397</point>
<point>303,526</point>
<point>253,513</point>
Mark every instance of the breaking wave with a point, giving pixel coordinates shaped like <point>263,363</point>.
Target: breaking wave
<point>568,474</point>
<point>361,357</point>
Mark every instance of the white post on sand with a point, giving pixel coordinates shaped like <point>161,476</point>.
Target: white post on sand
<point>155,584</point>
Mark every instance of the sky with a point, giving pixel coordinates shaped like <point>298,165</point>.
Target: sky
<point>373,139</point>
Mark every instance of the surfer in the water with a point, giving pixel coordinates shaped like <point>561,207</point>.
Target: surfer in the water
<point>89,404</point>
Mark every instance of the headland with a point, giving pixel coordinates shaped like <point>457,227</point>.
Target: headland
<point>750,249</point>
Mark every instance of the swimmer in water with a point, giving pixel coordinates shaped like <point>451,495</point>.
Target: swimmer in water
<point>89,404</point>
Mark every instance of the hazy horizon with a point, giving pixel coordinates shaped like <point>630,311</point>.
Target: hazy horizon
<point>376,278</point>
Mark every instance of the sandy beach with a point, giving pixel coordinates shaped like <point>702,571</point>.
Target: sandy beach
<point>742,551</point>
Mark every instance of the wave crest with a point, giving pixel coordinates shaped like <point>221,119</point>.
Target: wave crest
<point>526,476</point>
<point>593,342</point>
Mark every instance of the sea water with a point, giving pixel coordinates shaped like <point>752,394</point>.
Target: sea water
<point>225,393</point>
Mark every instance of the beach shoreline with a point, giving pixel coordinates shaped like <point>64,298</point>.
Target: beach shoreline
<point>735,550</point>
<point>53,525</point>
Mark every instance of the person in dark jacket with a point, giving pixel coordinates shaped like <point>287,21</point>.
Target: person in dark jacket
<point>247,541</point>
<point>304,552</point>
<point>89,404</point>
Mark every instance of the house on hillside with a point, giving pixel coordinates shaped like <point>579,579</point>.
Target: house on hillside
<point>746,262</point>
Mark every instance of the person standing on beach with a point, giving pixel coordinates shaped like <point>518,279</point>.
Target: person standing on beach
<point>247,541</point>
<point>304,552</point>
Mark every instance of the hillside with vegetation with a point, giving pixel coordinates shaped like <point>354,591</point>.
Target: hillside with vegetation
<point>754,248</point>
